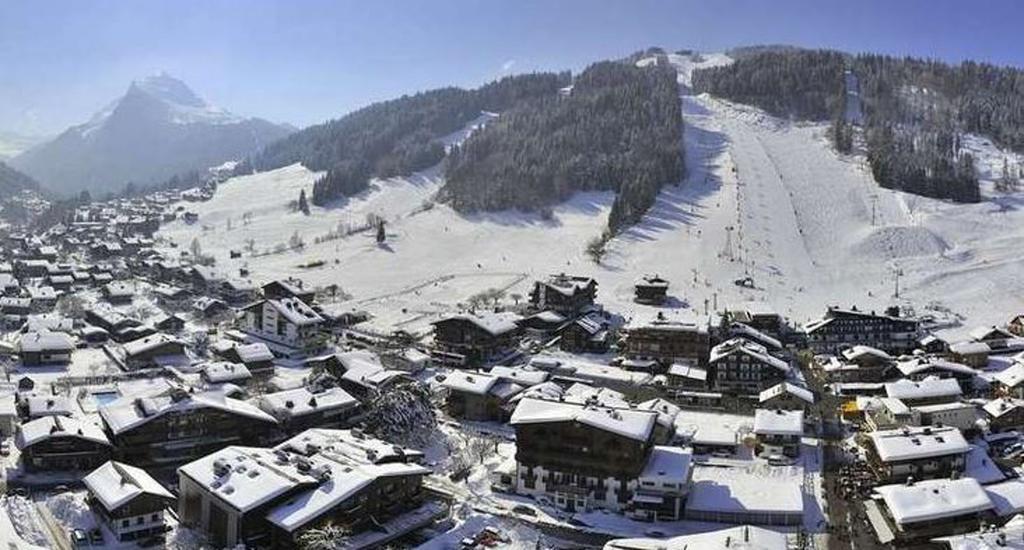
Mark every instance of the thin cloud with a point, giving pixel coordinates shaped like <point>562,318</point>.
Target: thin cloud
<point>507,66</point>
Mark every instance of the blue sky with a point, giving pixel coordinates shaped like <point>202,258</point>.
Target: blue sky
<point>303,61</point>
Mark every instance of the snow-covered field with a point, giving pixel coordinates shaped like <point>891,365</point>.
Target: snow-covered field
<point>763,198</point>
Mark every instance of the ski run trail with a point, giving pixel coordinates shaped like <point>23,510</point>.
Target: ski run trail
<point>763,198</point>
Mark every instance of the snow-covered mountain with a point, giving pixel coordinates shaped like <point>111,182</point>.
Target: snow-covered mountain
<point>159,128</point>
<point>764,198</point>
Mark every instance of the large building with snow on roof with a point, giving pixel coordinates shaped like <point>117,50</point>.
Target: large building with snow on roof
<point>584,456</point>
<point>128,500</point>
<point>267,497</point>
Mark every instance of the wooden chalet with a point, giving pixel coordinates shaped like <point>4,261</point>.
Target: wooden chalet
<point>565,294</point>
<point>128,500</point>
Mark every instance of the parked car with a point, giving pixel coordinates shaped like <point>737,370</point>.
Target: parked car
<point>5,448</point>
<point>78,538</point>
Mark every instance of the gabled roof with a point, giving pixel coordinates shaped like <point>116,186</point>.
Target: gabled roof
<point>128,413</point>
<point>47,427</point>
<point>631,424</point>
<point>903,444</point>
<point>786,388</point>
<point>776,422</point>
<point>36,342</point>
<point>495,324</point>
<point>115,484</point>
<point>303,401</point>
<point>934,499</point>
<point>295,311</point>
<point>917,365</point>
<point>927,388</point>
<point>756,351</point>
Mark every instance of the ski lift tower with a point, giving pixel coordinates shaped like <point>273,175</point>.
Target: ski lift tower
<point>727,252</point>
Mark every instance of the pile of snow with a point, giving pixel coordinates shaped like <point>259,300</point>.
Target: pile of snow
<point>71,510</point>
<point>888,243</point>
<point>26,522</point>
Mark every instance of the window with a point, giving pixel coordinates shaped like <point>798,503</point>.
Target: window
<point>155,517</point>
<point>140,520</point>
<point>125,523</point>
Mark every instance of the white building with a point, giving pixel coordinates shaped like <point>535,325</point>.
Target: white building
<point>287,322</point>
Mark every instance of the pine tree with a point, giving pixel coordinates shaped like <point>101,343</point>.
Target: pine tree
<point>381,234</point>
<point>303,204</point>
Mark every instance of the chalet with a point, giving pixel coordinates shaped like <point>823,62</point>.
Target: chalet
<point>119,292</point>
<point>920,452</point>
<point>128,500</point>
<point>663,485</point>
<point>565,294</point>
<point>303,408</point>
<point>919,511</point>
<point>257,357</point>
<point>581,456</point>
<point>100,278</point>
<point>478,396</point>
<point>523,376</point>
<point>44,348</point>
<point>61,443</point>
<point>209,307</point>
<point>682,376</point>
<point>741,366</point>
<point>168,322</point>
<point>924,392</point>
<point>153,351</point>
<point>171,297</point>
<point>205,280</point>
<point>1016,326</point>
<point>261,497</point>
<point>50,322</point>
<point>747,332</point>
<point>8,410</point>
<point>224,372</point>
<point>542,324</point>
<point>42,298</point>
<point>288,288</point>
<point>665,430</point>
<point>587,334</point>
<point>60,282</point>
<point>860,363</point>
<point>477,337</point>
<point>990,334</point>
<point>237,291</point>
<point>920,367</point>
<point>840,328</point>
<point>931,343</point>
<point>786,396</point>
<point>891,413</point>
<point>1004,414</point>
<point>760,316</point>
<point>117,325</point>
<point>1010,381</point>
<point>651,289</point>
<point>961,415</point>
<point>779,432</point>
<point>288,322</point>
<point>668,339</point>
<point>15,306</point>
<point>177,425</point>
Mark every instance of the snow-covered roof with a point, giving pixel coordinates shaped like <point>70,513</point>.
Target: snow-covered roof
<point>667,465</point>
<point>494,324</point>
<point>115,484</point>
<point>129,412</point>
<point>36,342</point>
<point>48,322</point>
<point>776,422</point>
<point>246,477</point>
<point>302,401</point>
<point>999,407</point>
<point>41,429</point>
<point>48,405</point>
<point>1007,496</point>
<point>904,444</point>
<point>353,443</point>
<point>934,499</point>
<point>627,423</point>
<point>752,349</point>
<point>295,311</point>
<point>224,371</point>
<point>346,477</point>
<point>148,343</point>
<point>519,375</point>
<point>801,393</point>
<point>584,394</point>
<point>743,537</point>
<point>1008,537</point>
<point>927,388</point>
<point>667,411</point>
<point>254,353</point>
<point>979,334</point>
<point>1011,376</point>
<point>470,382</point>
<point>751,333</point>
<point>860,351</point>
<point>917,365</point>
<point>677,319</point>
<point>684,370</point>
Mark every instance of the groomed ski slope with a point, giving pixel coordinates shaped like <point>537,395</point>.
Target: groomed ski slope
<point>763,198</point>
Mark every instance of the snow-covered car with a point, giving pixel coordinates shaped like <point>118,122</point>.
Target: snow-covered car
<point>5,448</point>
<point>78,538</point>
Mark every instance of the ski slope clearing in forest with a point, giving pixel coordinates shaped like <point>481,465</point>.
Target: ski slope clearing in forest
<point>763,198</point>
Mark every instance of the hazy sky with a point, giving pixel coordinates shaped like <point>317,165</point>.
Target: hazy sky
<point>302,61</point>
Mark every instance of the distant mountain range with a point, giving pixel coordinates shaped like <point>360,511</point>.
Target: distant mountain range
<point>159,128</point>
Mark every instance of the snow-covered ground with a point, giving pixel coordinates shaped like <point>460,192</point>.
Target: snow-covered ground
<point>763,198</point>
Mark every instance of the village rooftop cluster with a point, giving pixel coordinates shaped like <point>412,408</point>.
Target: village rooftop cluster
<point>142,380</point>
